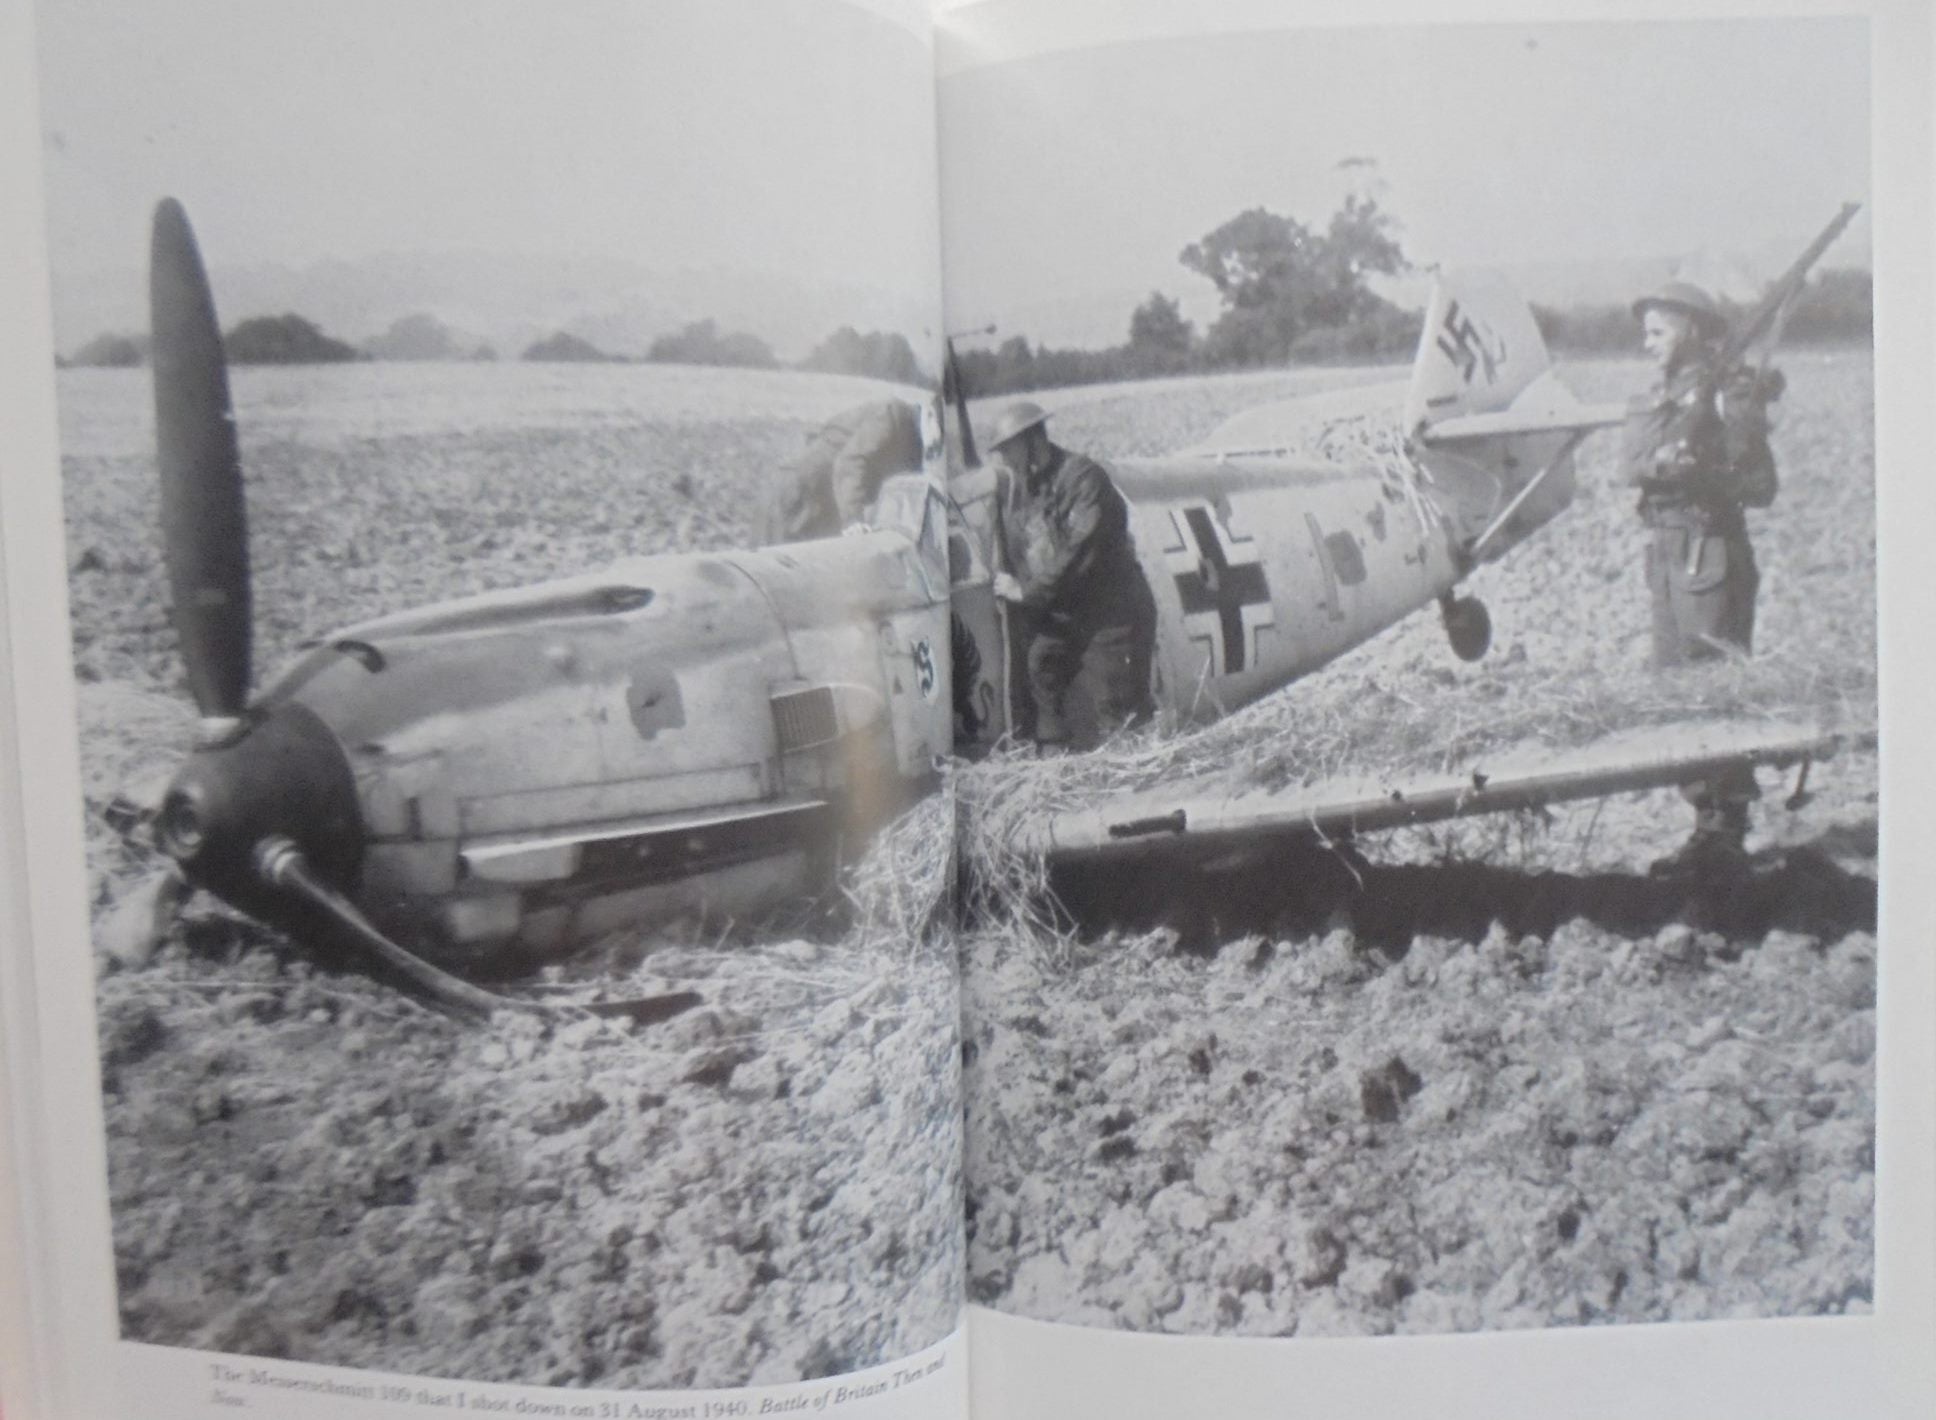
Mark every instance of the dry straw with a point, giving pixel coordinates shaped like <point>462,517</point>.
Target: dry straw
<point>1355,724</point>
<point>1354,719</point>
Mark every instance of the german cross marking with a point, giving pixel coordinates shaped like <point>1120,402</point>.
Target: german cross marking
<point>1221,582</point>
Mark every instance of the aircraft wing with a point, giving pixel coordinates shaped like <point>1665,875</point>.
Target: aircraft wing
<point>1216,815</point>
<point>1296,427</point>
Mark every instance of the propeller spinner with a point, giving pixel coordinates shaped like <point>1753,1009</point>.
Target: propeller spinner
<point>254,772</point>
<point>273,775</point>
<point>264,813</point>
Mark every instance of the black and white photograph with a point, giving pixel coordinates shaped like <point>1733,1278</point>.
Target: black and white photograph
<point>1419,834</point>
<point>931,708</point>
<point>508,582</point>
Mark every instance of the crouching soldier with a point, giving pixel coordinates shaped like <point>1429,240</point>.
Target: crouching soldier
<point>1083,611</point>
<point>1696,446</point>
<point>832,484</point>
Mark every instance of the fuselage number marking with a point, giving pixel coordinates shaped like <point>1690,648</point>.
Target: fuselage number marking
<point>924,674</point>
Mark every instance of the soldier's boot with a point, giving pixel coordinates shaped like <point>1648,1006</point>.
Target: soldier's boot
<point>1718,846</point>
<point>1052,730</point>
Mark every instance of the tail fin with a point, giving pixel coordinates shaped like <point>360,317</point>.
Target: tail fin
<point>1479,349</point>
<point>1487,417</point>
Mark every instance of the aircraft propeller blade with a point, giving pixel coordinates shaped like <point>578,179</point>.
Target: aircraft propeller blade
<point>203,520</point>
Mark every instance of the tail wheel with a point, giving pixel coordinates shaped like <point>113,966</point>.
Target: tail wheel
<point>1468,626</point>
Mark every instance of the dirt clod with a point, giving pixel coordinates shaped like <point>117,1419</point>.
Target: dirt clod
<point>303,1164</point>
<point>1489,1075</point>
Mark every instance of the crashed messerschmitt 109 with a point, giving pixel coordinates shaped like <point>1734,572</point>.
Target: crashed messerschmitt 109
<point>715,733</point>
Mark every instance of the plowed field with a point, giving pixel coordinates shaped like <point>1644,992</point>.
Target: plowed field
<point>305,1165</point>
<point>1493,1075</point>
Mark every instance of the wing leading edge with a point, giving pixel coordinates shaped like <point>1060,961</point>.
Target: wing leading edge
<point>1211,816</point>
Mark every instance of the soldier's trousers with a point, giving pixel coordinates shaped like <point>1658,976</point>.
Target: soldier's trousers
<point>1089,681</point>
<point>1702,586</point>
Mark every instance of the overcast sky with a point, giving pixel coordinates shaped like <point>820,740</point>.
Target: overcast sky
<point>797,136</point>
<point>1497,144</point>
<point>783,135</point>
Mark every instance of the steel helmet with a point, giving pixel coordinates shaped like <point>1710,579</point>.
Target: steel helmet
<point>1017,418</point>
<point>1689,300</point>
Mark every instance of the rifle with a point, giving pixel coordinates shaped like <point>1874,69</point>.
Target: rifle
<point>1772,308</point>
<point>1751,479</point>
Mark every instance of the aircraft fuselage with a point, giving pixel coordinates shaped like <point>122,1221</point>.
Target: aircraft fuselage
<point>1262,572</point>
<point>704,734</point>
<point>1264,567</point>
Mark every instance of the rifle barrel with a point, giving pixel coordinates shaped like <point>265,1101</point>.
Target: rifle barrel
<point>1784,289</point>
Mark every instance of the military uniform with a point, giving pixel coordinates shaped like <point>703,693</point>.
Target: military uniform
<point>1698,452</point>
<point>1696,447</point>
<point>831,485</point>
<point>1086,614</point>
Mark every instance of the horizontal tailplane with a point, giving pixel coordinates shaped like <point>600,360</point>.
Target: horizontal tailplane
<point>1487,418</point>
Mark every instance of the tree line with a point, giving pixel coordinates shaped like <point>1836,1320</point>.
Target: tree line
<point>291,339</point>
<point>1294,294</point>
<point>1835,308</point>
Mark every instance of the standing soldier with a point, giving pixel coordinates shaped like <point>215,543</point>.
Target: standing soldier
<point>1697,448</point>
<point>1084,611</point>
<point>833,482</point>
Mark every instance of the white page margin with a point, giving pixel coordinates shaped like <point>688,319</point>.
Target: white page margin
<point>71,1364</point>
<point>68,1271</point>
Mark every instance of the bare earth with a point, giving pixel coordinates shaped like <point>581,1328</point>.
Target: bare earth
<point>304,1165</point>
<point>1500,1077</point>
<point>1506,1081</point>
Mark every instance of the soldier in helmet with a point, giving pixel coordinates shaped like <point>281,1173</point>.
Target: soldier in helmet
<point>840,473</point>
<point>1084,612</point>
<point>1696,446</point>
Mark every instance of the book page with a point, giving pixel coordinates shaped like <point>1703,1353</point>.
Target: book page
<point>487,850</point>
<point>1438,934</point>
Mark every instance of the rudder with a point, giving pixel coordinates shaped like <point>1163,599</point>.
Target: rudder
<point>1479,349</point>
